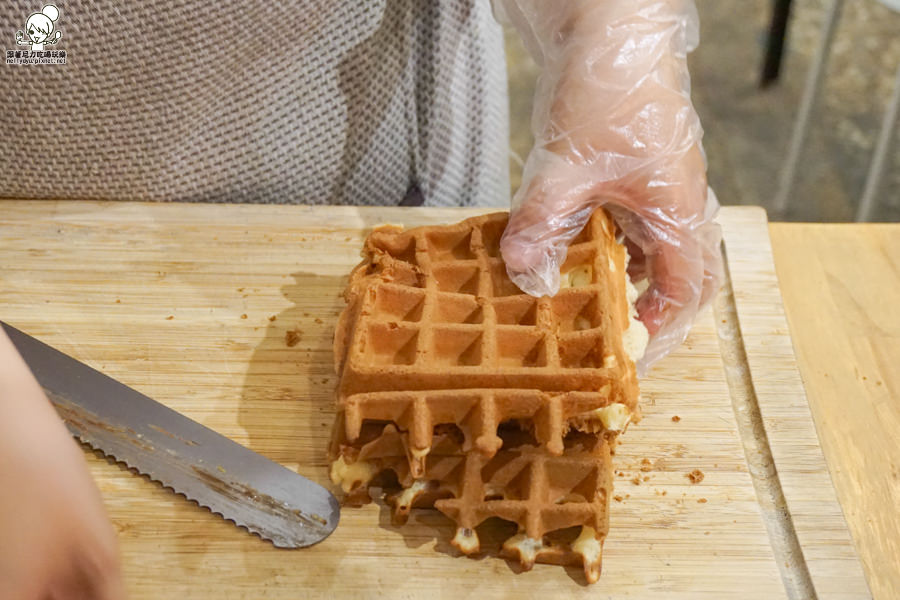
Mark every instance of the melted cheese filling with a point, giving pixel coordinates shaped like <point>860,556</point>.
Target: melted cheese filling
<point>466,540</point>
<point>419,453</point>
<point>578,277</point>
<point>636,337</point>
<point>528,548</point>
<point>614,417</point>
<point>590,549</point>
<point>409,495</point>
<point>352,475</point>
<point>588,546</point>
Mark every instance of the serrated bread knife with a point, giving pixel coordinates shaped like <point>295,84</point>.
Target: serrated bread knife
<point>230,480</point>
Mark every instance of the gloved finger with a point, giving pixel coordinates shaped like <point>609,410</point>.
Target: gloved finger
<point>684,266</point>
<point>710,236</point>
<point>674,267</point>
<point>552,211</point>
<point>668,217</point>
<point>637,264</point>
<point>675,282</point>
<point>684,274</point>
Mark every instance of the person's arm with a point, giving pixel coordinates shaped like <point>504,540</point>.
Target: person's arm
<point>614,126</point>
<point>57,541</point>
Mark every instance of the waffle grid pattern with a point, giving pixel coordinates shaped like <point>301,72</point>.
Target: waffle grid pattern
<point>420,353</point>
<point>461,393</point>
<point>478,413</point>
<point>451,306</point>
<point>519,483</point>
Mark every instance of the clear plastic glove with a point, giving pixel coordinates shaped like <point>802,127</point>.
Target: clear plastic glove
<point>55,539</point>
<point>614,127</point>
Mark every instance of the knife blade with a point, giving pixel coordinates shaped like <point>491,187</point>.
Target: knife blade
<point>217,473</point>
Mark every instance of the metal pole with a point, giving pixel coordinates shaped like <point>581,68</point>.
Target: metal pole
<point>882,151</point>
<point>781,11</point>
<point>807,103</point>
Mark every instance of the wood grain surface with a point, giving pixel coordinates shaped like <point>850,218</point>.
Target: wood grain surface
<point>194,305</point>
<point>841,285</point>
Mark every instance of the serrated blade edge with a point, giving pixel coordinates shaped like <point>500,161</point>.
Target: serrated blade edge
<point>215,472</point>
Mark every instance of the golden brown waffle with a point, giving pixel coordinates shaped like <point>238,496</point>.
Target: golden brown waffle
<point>478,413</point>
<point>435,333</point>
<point>546,496</point>
<point>460,392</point>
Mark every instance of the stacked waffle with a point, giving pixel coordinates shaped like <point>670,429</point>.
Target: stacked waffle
<point>460,392</point>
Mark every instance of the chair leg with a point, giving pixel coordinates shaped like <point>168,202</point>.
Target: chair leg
<point>881,155</point>
<point>807,103</point>
<point>781,12</point>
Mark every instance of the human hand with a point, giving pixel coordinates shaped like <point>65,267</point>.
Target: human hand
<point>614,127</point>
<point>57,541</point>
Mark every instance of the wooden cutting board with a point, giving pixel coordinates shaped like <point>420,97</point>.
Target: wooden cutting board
<point>193,305</point>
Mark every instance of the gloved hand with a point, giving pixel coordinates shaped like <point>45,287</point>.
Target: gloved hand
<point>614,127</point>
<point>56,539</point>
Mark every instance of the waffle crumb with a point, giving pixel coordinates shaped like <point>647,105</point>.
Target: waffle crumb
<point>676,418</point>
<point>292,337</point>
<point>170,317</point>
<point>646,465</point>
<point>636,480</point>
<point>617,498</point>
<point>273,317</point>
<point>701,500</point>
<point>244,316</point>
<point>696,476</point>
